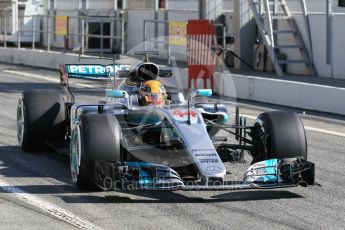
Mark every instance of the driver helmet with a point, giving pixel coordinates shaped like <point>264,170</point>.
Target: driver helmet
<point>152,92</point>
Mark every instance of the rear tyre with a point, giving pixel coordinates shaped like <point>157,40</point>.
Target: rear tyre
<point>95,137</point>
<point>41,116</point>
<point>284,136</point>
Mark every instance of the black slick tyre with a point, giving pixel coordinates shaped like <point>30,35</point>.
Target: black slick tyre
<point>285,135</point>
<point>41,117</point>
<point>94,137</point>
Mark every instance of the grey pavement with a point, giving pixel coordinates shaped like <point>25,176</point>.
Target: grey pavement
<point>46,176</point>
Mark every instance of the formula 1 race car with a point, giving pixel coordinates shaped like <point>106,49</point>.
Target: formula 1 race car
<point>143,136</point>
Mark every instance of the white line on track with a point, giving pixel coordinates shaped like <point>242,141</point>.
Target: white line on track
<point>46,207</point>
<point>89,86</point>
<point>325,131</point>
<point>308,128</point>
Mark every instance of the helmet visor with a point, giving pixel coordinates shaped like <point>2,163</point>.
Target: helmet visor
<point>154,99</point>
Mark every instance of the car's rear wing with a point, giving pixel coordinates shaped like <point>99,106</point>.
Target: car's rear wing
<point>89,71</point>
<point>98,72</point>
<point>92,71</point>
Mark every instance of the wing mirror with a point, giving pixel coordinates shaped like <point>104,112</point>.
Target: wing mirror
<point>116,93</point>
<point>201,93</point>
<point>198,93</point>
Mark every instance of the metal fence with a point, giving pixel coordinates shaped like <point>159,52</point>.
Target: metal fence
<point>157,39</point>
<point>4,27</point>
<point>38,32</point>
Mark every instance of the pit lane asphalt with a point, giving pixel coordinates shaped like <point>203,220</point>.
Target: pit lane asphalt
<point>46,176</point>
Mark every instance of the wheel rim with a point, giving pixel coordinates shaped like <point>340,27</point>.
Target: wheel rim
<point>75,155</point>
<point>20,122</point>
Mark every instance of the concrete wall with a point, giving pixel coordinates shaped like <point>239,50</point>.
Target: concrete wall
<point>289,93</point>
<point>280,92</point>
<point>338,43</point>
<point>135,30</point>
<point>67,5</point>
<point>245,31</point>
<point>35,58</point>
<point>42,59</point>
<point>318,23</point>
<point>101,4</point>
<point>183,4</point>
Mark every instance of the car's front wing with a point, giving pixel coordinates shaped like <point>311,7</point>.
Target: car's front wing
<point>267,174</point>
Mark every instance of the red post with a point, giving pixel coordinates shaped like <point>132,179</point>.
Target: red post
<point>201,40</point>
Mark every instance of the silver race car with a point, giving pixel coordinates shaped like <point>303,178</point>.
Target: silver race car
<point>142,136</point>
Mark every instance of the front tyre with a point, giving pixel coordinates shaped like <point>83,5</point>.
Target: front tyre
<point>282,136</point>
<point>93,137</point>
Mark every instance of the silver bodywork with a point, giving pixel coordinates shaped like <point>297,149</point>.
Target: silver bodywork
<point>191,123</point>
<point>190,128</point>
